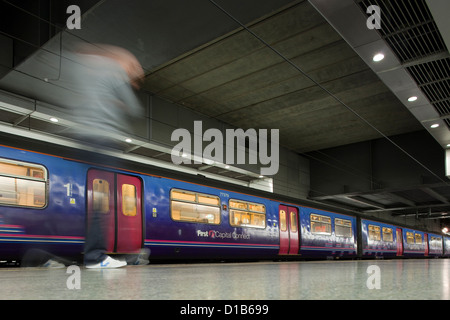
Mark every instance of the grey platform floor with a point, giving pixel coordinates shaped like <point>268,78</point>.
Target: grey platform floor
<point>398,279</point>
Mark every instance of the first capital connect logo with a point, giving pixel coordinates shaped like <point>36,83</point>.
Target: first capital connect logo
<point>222,235</point>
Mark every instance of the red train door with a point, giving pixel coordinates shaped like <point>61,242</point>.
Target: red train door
<point>100,197</point>
<point>284,232</point>
<point>425,238</point>
<point>399,242</point>
<point>117,200</point>
<point>129,214</point>
<point>293,230</point>
<point>289,230</point>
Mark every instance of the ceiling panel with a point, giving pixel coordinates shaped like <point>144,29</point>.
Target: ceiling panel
<point>242,82</point>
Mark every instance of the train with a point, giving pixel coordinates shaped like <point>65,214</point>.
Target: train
<point>47,200</point>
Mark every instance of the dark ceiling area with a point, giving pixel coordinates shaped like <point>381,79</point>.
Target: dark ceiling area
<point>30,23</point>
<point>306,78</point>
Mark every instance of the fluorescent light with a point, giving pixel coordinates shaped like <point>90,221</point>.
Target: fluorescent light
<point>378,57</point>
<point>53,119</point>
<point>128,140</point>
<point>412,99</point>
<point>435,125</point>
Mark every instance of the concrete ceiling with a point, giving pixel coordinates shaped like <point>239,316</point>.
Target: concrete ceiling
<point>239,80</point>
<point>210,64</point>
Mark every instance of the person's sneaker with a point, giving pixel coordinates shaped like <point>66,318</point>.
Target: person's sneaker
<point>142,258</point>
<point>108,263</point>
<point>53,264</point>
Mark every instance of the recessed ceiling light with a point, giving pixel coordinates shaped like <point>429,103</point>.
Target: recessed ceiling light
<point>261,177</point>
<point>53,119</point>
<point>435,125</point>
<point>412,99</point>
<point>128,140</point>
<point>378,57</point>
<point>227,167</point>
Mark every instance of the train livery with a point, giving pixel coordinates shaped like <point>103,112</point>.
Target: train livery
<point>47,201</point>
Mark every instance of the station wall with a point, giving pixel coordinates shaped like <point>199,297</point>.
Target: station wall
<point>164,117</point>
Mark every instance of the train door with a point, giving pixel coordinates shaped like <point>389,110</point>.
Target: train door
<point>399,242</point>
<point>289,230</point>
<point>116,198</point>
<point>425,238</point>
<point>129,214</point>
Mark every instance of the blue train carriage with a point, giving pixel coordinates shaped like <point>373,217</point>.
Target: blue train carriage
<point>42,204</point>
<point>327,234</point>
<point>435,245</point>
<point>446,246</point>
<point>380,239</point>
<point>187,220</point>
<point>415,243</point>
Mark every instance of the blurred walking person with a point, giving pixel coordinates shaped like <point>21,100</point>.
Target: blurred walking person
<point>104,79</point>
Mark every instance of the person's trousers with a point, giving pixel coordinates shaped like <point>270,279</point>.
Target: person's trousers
<point>95,240</point>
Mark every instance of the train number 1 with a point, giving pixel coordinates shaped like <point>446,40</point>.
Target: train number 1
<point>68,187</point>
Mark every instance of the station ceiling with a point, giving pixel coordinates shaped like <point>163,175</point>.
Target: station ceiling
<point>304,67</point>
<point>241,81</point>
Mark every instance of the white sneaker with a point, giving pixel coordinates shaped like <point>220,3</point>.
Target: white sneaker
<point>108,263</point>
<point>53,264</point>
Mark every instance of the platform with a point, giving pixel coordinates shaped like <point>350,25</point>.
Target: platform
<point>397,279</point>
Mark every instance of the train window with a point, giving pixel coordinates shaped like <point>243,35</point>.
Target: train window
<point>388,235</point>
<point>100,196</point>
<point>22,184</point>
<point>129,200</point>
<point>409,237</point>
<point>183,195</point>
<point>293,217</point>
<point>194,207</point>
<point>418,238</point>
<point>320,224</point>
<point>208,200</point>
<point>436,243</point>
<point>374,233</point>
<point>256,207</point>
<point>247,214</point>
<point>238,204</point>
<point>283,224</point>
<point>343,228</point>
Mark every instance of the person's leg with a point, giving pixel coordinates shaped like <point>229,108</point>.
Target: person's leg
<point>95,242</point>
<point>95,247</point>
